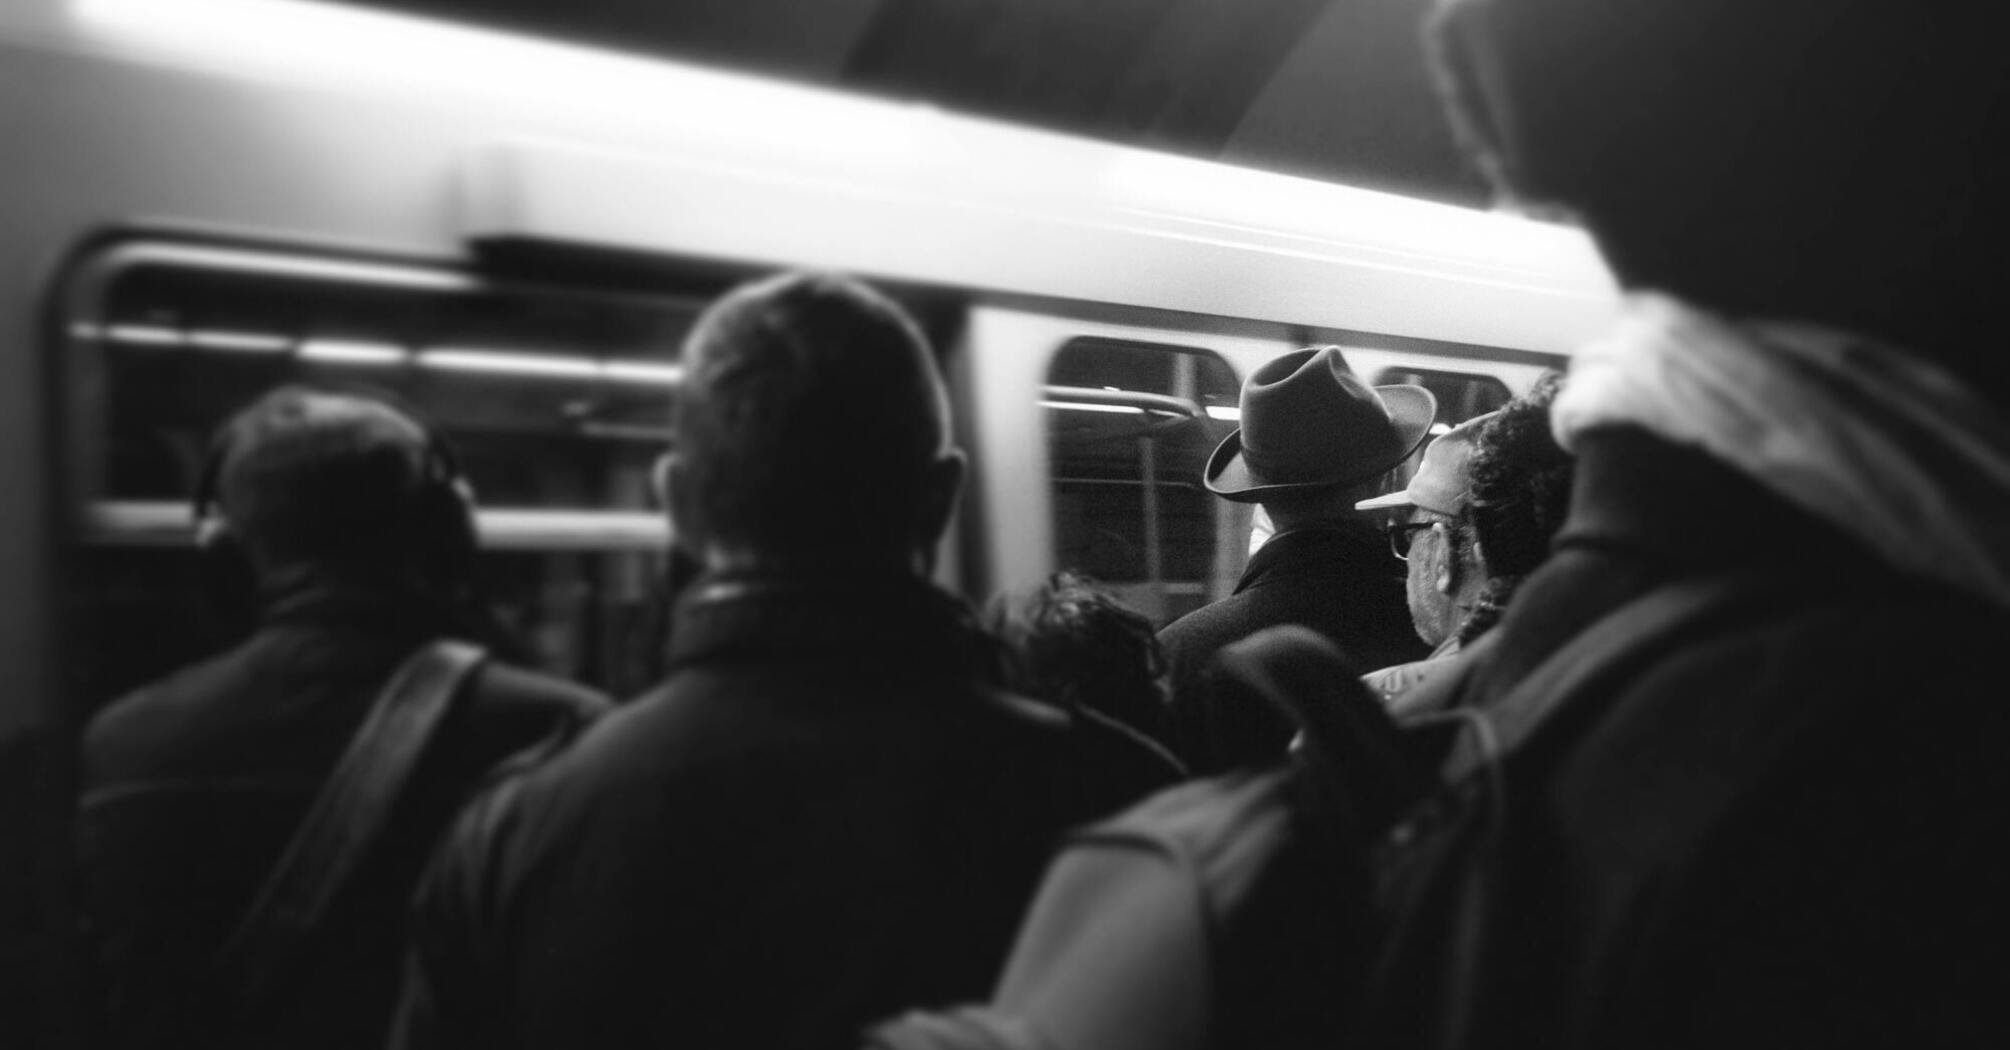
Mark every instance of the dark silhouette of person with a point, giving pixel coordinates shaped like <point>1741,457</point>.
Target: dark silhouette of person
<point>1761,811</point>
<point>358,533</point>
<point>828,810</point>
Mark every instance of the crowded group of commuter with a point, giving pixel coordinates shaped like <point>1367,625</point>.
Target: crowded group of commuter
<point>1653,708</point>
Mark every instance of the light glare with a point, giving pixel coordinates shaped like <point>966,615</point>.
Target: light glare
<point>1084,406</point>
<point>498,362</point>
<point>350,352</point>
<point>146,335</point>
<point>646,372</point>
<point>238,342</point>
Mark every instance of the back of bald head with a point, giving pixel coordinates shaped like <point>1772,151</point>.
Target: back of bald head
<point>812,423</point>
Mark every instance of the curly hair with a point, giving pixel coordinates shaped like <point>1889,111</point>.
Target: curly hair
<point>1074,644</point>
<point>1520,494</point>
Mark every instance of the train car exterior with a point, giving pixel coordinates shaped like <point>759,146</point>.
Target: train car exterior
<point>205,197</point>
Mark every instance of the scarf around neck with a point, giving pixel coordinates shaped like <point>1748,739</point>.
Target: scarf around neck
<point>1889,447</point>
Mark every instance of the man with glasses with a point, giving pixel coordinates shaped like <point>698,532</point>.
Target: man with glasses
<point>1483,508</point>
<point>1436,539</point>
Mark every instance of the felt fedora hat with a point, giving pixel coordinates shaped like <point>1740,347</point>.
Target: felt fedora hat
<point>1308,422</point>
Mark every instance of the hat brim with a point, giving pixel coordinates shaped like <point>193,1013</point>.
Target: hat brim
<point>1412,410</point>
<point>1400,498</point>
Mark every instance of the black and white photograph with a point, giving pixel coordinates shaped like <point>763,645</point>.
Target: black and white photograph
<point>1004,524</point>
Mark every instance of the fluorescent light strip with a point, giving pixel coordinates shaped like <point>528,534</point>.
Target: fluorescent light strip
<point>503,362</point>
<point>1084,406</point>
<point>1232,413</point>
<point>239,342</point>
<point>351,352</point>
<point>647,372</point>
<point>147,335</point>
<point>497,362</point>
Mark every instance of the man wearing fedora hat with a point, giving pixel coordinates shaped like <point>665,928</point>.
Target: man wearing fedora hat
<point>1314,441</point>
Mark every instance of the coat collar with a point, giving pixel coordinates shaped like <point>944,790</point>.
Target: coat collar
<point>1340,549</point>
<point>901,626</point>
<point>311,597</point>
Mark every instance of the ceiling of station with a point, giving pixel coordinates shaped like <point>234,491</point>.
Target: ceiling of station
<point>1331,89</point>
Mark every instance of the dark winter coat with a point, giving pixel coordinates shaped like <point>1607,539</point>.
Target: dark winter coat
<point>821,817</point>
<point>1785,831</point>
<point>1340,580</point>
<point>194,784</point>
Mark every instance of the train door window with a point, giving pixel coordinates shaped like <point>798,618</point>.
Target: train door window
<point>1129,429</point>
<point>1461,395</point>
<point>554,402</point>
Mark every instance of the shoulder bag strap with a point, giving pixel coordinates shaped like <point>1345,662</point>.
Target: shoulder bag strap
<point>342,826</point>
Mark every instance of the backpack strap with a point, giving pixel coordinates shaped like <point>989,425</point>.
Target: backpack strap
<point>342,827</point>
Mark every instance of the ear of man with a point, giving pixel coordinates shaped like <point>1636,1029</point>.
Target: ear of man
<point>1448,575</point>
<point>671,478</point>
<point>212,532</point>
<point>942,484</point>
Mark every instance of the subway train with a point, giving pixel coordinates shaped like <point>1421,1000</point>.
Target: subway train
<point>206,198</point>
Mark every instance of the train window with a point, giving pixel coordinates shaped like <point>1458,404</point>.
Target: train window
<point>554,402</point>
<point>1129,428</point>
<point>1461,395</point>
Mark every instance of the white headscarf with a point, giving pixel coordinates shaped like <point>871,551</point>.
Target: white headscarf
<point>1885,445</point>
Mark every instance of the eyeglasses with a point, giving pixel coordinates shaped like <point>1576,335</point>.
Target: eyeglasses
<point>1404,533</point>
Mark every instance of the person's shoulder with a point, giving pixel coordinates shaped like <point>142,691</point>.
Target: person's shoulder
<point>126,739</point>
<point>1207,628</point>
<point>1128,748</point>
<point>511,717</point>
<point>1090,765</point>
<point>1212,824</point>
<point>655,737</point>
<point>1900,679</point>
<point>504,690</point>
<point>1860,640</point>
<point>541,788</point>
